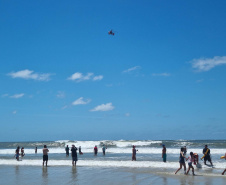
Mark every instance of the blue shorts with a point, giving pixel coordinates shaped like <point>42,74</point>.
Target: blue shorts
<point>164,158</point>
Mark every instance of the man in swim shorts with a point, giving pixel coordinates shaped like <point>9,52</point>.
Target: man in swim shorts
<point>67,151</point>
<point>164,153</point>
<point>17,153</point>
<point>74,155</point>
<point>45,155</point>
<point>206,152</point>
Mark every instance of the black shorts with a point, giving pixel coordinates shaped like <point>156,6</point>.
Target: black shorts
<point>74,158</point>
<point>45,157</point>
<point>207,158</point>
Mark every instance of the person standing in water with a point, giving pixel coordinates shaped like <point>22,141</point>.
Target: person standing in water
<point>104,149</point>
<point>134,153</point>
<point>206,152</point>
<point>67,151</point>
<point>95,150</point>
<point>74,155</point>
<point>36,148</point>
<point>164,153</point>
<point>191,159</point>
<point>17,153</point>
<point>225,168</point>
<point>22,152</point>
<point>182,161</point>
<point>45,155</point>
<point>80,150</point>
<point>185,150</point>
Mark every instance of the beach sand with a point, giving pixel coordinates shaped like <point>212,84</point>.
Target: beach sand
<point>16,174</point>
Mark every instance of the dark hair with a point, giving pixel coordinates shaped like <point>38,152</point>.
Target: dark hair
<point>182,149</point>
<point>191,153</point>
<point>45,146</point>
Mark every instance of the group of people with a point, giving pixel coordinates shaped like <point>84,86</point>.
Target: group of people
<point>193,158</point>
<point>19,152</point>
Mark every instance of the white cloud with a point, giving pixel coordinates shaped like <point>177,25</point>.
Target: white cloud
<point>14,112</point>
<point>78,77</point>
<point>17,96</point>
<point>64,107</point>
<point>161,74</point>
<point>199,81</point>
<point>103,107</point>
<point>205,64</point>
<point>28,74</point>
<point>80,101</point>
<point>60,94</point>
<point>127,114</point>
<point>100,77</point>
<point>131,69</point>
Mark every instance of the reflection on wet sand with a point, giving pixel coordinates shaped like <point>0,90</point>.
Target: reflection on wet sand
<point>45,174</point>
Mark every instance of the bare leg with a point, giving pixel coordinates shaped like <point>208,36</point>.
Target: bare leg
<point>178,168</point>
<point>188,170</point>
<point>224,171</point>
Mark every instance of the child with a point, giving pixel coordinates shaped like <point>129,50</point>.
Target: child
<point>190,160</point>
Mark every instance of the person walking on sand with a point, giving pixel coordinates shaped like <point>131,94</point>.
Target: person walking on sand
<point>74,155</point>
<point>206,152</point>
<point>182,161</point>
<point>134,153</point>
<point>45,155</point>
<point>164,153</point>
<point>191,159</point>
<point>67,151</point>
<point>17,153</point>
<point>95,150</point>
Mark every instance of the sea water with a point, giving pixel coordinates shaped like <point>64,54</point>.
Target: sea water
<point>118,157</point>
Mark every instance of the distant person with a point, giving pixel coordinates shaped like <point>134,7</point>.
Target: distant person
<point>74,155</point>
<point>185,150</point>
<point>22,152</point>
<point>134,153</point>
<point>196,158</point>
<point>164,153</point>
<point>95,150</point>
<point>45,155</point>
<point>80,150</point>
<point>206,152</point>
<point>225,168</point>
<point>104,149</point>
<point>17,153</point>
<point>67,151</point>
<point>182,161</point>
<point>36,149</point>
<point>191,159</point>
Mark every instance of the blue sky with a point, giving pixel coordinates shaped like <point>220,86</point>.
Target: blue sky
<point>161,76</point>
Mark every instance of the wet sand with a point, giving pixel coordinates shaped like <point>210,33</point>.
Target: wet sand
<point>97,175</point>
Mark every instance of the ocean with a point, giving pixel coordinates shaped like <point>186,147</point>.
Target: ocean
<point>115,167</point>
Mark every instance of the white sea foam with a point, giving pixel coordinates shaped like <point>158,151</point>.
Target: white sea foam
<point>120,143</point>
<point>150,150</point>
<point>92,163</point>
